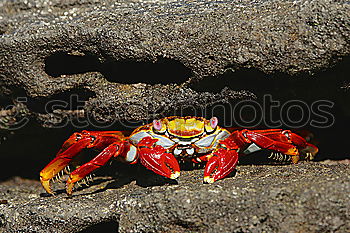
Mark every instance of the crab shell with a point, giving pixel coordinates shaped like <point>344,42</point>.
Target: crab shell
<point>183,136</point>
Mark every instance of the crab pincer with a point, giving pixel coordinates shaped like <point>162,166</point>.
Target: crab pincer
<point>156,158</point>
<point>220,164</point>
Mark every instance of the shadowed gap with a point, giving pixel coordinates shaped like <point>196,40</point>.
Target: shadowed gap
<point>3,28</point>
<point>163,71</point>
<point>31,145</point>
<point>106,227</point>
<point>323,85</point>
<point>73,99</point>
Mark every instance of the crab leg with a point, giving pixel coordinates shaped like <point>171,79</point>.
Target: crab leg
<point>60,162</point>
<point>71,148</point>
<point>268,142</point>
<point>101,159</point>
<point>282,141</point>
<point>286,136</point>
<point>304,146</point>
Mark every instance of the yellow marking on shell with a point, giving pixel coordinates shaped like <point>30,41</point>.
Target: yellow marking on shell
<point>209,156</point>
<point>185,128</point>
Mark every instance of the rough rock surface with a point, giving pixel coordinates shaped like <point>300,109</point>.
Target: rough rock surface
<point>134,60</point>
<point>101,51</point>
<point>308,197</point>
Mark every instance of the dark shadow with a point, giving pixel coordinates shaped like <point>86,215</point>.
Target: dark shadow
<point>123,174</point>
<point>162,71</point>
<point>3,28</point>
<point>5,102</point>
<point>71,100</point>
<point>105,227</point>
<point>322,85</point>
<point>65,64</point>
<point>187,226</point>
<point>10,94</point>
<point>260,157</point>
<point>232,174</point>
<point>281,85</point>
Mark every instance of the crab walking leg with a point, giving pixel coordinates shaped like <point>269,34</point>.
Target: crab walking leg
<point>101,159</point>
<point>72,147</point>
<point>265,142</point>
<point>283,141</point>
<point>155,158</point>
<point>287,136</point>
<point>60,162</point>
<point>304,146</point>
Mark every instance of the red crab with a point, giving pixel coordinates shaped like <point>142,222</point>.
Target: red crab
<point>159,146</point>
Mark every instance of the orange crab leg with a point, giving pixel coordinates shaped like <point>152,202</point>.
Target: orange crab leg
<point>60,162</point>
<point>266,142</point>
<point>101,159</point>
<point>71,148</point>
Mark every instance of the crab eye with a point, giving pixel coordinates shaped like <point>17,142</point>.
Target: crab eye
<point>157,125</point>
<point>211,125</point>
<point>214,122</point>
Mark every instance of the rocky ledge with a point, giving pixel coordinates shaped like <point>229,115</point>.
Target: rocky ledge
<point>308,197</point>
<point>130,59</point>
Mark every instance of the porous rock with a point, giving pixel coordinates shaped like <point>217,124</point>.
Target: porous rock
<point>51,49</point>
<point>308,197</point>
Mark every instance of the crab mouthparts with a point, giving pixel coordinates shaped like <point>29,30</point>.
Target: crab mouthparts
<point>181,149</point>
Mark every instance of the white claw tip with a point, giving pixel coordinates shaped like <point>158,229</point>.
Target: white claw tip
<point>208,179</point>
<point>175,175</point>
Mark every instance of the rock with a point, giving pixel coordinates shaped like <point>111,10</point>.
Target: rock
<point>108,62</point>
<point>129,60</point>
<point>308,197</point>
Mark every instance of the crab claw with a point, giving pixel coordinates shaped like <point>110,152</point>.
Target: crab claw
<point>157,160</point>
<point>221,163</point>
